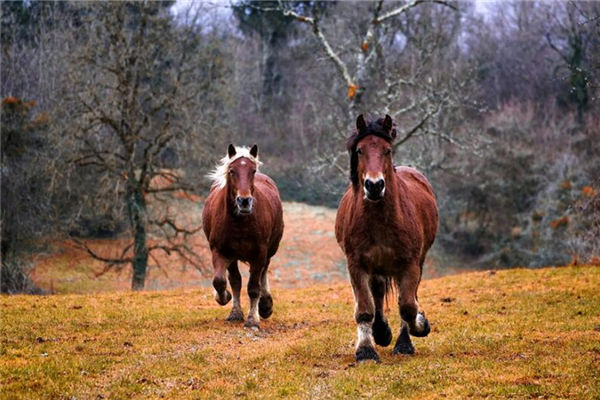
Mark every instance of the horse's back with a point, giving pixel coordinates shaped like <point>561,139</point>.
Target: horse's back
<point>208,211</point>
<point>414,179</point>
<point>423,199</point>
<point>341,215</point>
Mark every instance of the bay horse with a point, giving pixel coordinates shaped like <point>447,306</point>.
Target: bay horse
<point>385,224</point>
<point>243,221</point>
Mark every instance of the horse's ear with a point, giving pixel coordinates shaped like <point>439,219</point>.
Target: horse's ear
<point>254,151</point>
<point>231,151</point>
<point>387,123</point>
<point>361,125</point>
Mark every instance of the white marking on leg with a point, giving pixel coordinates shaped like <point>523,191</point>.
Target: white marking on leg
<point>420,322</point>
<point>253,313</point>
<point>236,300</point>
<point>364,331</point>
<point>264,285</point>
<point>217,297</point>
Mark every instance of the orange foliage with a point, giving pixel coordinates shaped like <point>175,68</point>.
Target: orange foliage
<point>565,185</point>
<point>365,46</point>
<point>587,191</point>
<point>42,118</point>
<point>594,260</point>
<point>515,232</point>
<point>560,222</point>
<point>352,91</point>
<point>10,100</point>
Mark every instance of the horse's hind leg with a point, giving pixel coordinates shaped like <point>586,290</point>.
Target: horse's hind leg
<point>381,330</point>
<point>222,295</point>
<point>364,313</point>
<point>265,304</point>
<point>403,343</point>
<point>235,281</point>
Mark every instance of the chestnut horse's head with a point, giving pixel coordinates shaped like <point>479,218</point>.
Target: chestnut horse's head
<point>236,172</point>
<point>370,151</point>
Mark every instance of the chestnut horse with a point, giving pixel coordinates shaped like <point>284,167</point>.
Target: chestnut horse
<point>243,221</point>
<point>386,222</point>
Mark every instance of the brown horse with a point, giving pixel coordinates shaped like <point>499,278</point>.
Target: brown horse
<point>243,221</point>
<point>386,222</point>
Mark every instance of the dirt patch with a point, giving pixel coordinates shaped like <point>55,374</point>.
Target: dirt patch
<point>308,254</point>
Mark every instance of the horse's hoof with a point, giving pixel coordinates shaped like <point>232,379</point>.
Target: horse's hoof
<point>365,353</point>
<point>422,327</point>
<point>251,324</point>
<point>382,332</point>
<point>265,306</point>
<point>223,298</point>
<point>235,316</point>
<point>404,348</point>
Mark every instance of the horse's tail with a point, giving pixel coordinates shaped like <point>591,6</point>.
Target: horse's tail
<point>390,284</point>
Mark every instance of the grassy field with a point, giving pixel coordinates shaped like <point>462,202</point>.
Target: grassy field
<point>513,333</point>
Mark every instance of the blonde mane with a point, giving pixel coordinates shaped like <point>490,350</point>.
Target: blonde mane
<point>219,175</point>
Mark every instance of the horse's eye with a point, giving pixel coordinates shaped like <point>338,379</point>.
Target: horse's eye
<point>388,152</point>
<point>254,171</point>
<point>231,172</point>
<point>359,151</point>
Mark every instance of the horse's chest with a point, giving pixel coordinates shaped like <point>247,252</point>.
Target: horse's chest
<point>381,249</point>
<point>241,244</point>
<point>378,256</point>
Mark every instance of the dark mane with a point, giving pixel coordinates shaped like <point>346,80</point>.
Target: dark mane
<point>373,127</point>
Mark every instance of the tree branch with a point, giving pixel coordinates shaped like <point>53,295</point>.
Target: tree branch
<point>406,7</point>
<point>314,23</point>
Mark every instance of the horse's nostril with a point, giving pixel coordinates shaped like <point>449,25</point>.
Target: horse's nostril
<point>244,202</point>
<point>374,187</point>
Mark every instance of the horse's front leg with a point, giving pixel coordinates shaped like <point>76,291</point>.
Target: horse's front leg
<point>364,312</point>
<point>265,304</point>
<point>235,281</point>
<point>254,289</point>
<point>413,321</point>
<point>220,263</point>
<point>381,329</point>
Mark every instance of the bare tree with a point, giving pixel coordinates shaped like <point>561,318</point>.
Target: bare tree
<point>133,86</point>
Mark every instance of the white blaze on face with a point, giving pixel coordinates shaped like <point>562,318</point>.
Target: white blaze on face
<point>374,177</point>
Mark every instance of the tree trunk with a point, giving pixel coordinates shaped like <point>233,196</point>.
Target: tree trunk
<point>137,213</point>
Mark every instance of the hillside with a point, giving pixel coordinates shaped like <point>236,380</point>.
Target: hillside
<point>308,254</point>
<point>512,333</point>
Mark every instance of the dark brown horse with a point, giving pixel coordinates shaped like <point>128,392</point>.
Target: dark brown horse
<point>243,221</point>
<point>386,222</point>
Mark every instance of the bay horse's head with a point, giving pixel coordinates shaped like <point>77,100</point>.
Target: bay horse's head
<point>370,151</point>
<point>236,173</point>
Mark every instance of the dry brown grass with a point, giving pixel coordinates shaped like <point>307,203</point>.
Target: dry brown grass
<point>515,333</point>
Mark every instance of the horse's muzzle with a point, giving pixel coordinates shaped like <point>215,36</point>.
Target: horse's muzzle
<point>374,190</point>
<point>244,204</point>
